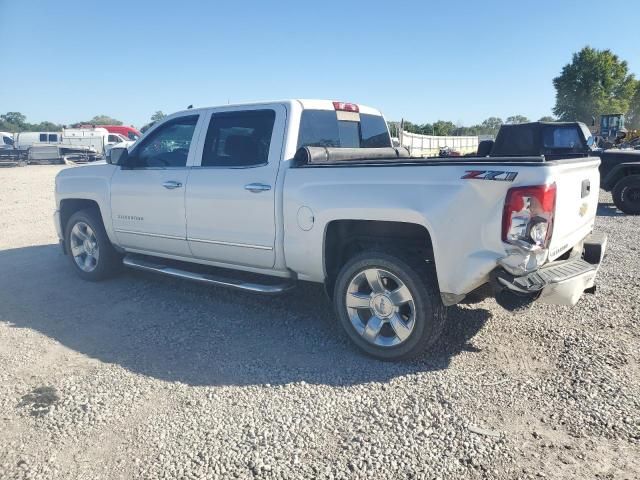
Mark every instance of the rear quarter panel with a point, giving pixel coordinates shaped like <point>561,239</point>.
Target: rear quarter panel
<point>463,216</point>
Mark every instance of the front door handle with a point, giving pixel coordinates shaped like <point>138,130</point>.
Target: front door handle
<point>171,184</point>
<point>257,187</point>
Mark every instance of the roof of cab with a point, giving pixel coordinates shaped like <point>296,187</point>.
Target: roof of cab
<point>307,104</point>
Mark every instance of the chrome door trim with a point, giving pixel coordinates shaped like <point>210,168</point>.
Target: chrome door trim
<point>257,187</point>
<point>146,234</point>
<point>230,244</point>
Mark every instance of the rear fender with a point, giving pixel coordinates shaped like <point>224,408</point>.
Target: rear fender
<point>618,172</point>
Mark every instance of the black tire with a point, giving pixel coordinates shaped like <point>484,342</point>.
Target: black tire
<point>626,194</point>
<point>419,277</point>
<point>109,261</point>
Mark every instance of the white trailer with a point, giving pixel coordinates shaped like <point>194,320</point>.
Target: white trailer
<point>25,140</point>
<point>93,141</point>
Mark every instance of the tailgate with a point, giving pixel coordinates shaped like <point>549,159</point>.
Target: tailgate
<point>578,185</point>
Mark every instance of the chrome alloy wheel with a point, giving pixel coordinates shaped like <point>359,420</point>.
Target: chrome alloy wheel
<point>380,307</point>
<point>84,247</point>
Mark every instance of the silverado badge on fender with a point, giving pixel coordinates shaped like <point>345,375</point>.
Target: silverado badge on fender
<point>497,175</point>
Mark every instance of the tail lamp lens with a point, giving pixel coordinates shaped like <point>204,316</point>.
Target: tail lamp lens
<point>528,214</point>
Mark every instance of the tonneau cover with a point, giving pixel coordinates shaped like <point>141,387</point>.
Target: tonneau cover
<point>326,156</point>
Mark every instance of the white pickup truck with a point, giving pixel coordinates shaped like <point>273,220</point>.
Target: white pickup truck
<point>260,196</point>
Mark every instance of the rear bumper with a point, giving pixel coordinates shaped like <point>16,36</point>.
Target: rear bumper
<point>559,283</point>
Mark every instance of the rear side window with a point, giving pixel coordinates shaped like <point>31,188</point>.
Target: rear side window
<point>562,138</point>
<point>238,139</point>
<point>43,137</point>
<point>321,128</point>
<point>516,141</point>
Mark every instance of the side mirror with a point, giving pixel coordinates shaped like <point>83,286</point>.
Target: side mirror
<point>118,156</point>
<point>590,141</point>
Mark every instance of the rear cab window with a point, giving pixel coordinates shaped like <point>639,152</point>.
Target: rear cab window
<point>331,128</point>
<point>565,138</point>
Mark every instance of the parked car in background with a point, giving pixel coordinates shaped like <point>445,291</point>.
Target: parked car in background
<point>129,133</point>
<point>619,168</point>
<point>6,141</point>
<point>259,196</point>
<point>25,140</point>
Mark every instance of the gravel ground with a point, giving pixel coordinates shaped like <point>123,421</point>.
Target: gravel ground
<point>147,377</point>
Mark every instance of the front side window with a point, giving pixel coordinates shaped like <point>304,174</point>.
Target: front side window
<point>7,140</point>
<point>168,146</point>
<point>238,139</point>
<point>114,139</point>
<point>132,136</point>
<point>53,137</point>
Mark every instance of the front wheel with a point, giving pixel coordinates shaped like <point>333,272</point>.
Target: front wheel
<point>89,248</point>
<point>389,305</point>
<point>626,195</point>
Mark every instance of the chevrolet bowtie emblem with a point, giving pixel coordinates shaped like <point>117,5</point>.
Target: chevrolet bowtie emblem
<point>583,209</point>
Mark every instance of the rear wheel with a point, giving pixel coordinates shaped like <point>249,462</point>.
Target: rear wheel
<point>89,248</point>
<point>626,194</point>
<point>389,304</point>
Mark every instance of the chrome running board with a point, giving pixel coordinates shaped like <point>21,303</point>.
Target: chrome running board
<point>272,286</point>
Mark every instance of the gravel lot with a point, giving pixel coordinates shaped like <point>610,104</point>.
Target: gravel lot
<point>147,377</point>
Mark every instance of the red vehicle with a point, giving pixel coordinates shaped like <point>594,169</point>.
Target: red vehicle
<point>128,132</point>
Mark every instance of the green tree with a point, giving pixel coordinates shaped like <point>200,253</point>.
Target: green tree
<point>633,116</point>
<point>157,116</point>
<point>14,120</point>
<point>103,120</point>
<point>442,127</point>
<point>516,119</point>
<point>491,126</point>
<point>595,82</point>
<point>46,127</point>
<point>547,118</point>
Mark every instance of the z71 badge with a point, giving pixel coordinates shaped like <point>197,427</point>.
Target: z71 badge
<point>497,175</point>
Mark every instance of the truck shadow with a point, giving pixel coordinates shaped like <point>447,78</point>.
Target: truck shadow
<point>198,335</point>
<point>608,210</point>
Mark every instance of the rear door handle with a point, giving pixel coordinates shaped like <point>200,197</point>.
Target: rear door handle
<point>257,187</point>
<point>171,184</point>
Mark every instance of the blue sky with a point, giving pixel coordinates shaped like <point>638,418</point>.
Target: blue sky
<point>67,61</point>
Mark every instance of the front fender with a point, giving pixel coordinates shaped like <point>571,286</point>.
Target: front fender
<point>89,182</point>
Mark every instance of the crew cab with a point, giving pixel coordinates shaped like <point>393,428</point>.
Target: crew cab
<point>261,196</point>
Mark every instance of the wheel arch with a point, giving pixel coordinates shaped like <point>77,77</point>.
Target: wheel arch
<point>344,238</point>
<point>69,206</point>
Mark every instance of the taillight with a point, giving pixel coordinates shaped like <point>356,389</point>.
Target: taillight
<point>528,214</point>
<point>346,107</point>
